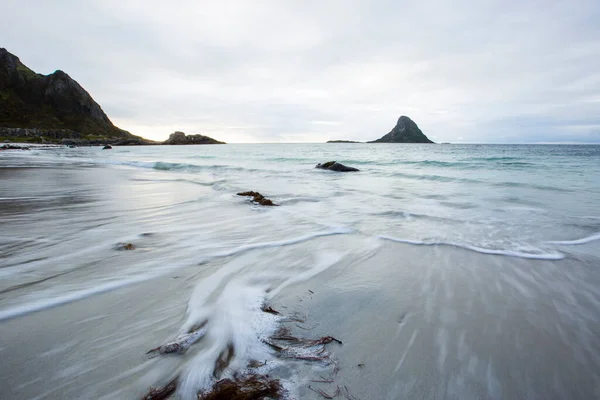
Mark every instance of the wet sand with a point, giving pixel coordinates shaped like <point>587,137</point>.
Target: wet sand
<point>415,323</point>
<point>77,316</point>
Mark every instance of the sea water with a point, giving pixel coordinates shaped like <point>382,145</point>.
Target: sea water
<point>448,271</point>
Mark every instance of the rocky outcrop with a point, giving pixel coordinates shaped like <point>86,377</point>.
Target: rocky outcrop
<point>179,138</point>
<point>13,147</point>
<point>336,166</point>
<point>50,108</point>
<point>405,131</point>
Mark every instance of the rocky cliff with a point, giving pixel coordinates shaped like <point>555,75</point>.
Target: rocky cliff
<point>52,108</point>
<point>405,131</point>
<point>181,138</point>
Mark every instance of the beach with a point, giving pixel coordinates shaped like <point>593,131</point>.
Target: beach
<point>447,271</point>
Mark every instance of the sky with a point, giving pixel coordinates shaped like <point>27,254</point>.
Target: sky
<point>244,71</point>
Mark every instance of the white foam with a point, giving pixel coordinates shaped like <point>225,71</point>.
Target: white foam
<point>60,300</point>
<point>230,301</point>
<point>280,243</point>
<point>588,239</point>
<point>507,253</point>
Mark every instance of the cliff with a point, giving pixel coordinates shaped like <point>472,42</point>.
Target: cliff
<point>51,108</point>
<point>405,131</point>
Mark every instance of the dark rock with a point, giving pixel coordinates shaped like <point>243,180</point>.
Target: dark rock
<point>178,138</point>
<point>107,147</point>
<point>336,166</point>
<point>13,147</point>
<point>405,131</point>
<point>49,108</point>
<point>258,198</point>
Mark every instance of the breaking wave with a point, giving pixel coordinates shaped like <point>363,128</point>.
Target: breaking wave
<point>482,250</point>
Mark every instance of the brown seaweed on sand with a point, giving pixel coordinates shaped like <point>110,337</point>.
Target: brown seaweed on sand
<point>224,360</point>
<point>252,387</point>
<point>162,393</point>
<point>269,309</point>
<point>258,198</point>
<point>324,394</point>
<point>124,246</point>
<point>301,349</point>
<point>181,343</point>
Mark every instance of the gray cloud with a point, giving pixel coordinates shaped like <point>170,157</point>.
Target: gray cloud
<point>489,71</point>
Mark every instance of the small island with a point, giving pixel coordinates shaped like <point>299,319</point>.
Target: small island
<point>405,131</point>
<point>180,138</point>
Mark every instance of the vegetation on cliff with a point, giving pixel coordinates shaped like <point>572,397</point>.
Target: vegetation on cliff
<point>51,108</point>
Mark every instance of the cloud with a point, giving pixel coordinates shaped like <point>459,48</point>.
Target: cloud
<point>490,71</point>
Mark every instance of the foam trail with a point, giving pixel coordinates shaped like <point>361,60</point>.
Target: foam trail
<point>107,287</point>
<point>588,239</point>
<point>280,243</point>
<point>60,300</point>
<point>507,253</point>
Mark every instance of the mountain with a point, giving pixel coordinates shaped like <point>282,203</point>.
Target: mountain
<point>182,138</point>
<point>405,131</point>
<point>51,108</point>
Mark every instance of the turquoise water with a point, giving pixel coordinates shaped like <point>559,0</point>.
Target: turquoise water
<point>459,271</point>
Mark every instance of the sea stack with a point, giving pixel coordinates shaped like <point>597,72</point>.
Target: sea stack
<point>405,131</point>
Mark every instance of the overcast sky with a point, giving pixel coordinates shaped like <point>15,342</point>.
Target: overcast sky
<point>308,71</point>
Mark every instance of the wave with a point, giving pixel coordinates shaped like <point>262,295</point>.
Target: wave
<point>411,215</point>
<point>330,232</point>
<point>491,158</point>
<point>171,166</point>
<point>40,305</point>
<point>507,253</point>
<point>528,185</point>
<point>68,298</point>
<point>278,159</point>
<point>436,178</point>
<point>587,239</point>
<point>443,178</point>
<point>434,163</point>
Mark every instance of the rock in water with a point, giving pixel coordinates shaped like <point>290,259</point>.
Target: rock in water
<point>336,166</point>
<point>181,138</point>
<point>405,131</point>
<point>107,147</point>
<point>13,147</point>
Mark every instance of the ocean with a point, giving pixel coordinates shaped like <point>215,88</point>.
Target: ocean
<point>447,271</point>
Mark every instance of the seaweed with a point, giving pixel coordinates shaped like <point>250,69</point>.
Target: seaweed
<point>258,198</point>
<point>269,309</point>
<point>252,387</point>
<point>181,343</point>
<point>224,360</point>
<point>163,392</point>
